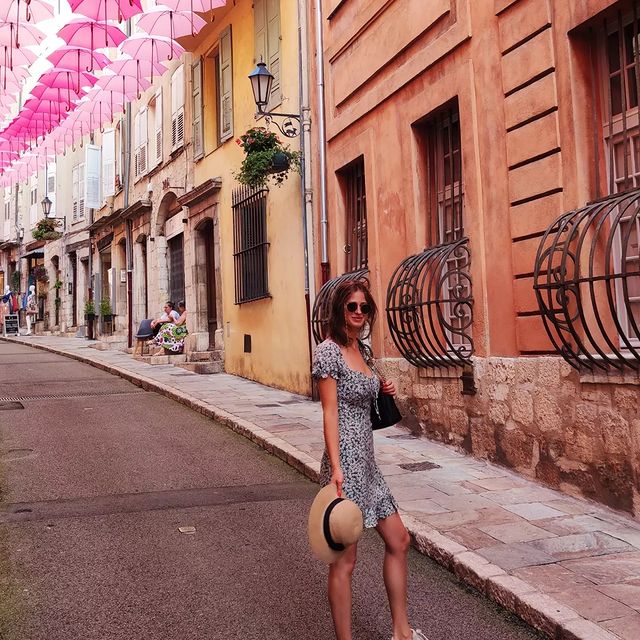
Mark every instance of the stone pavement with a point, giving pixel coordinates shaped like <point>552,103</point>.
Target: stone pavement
<point>569,567</point>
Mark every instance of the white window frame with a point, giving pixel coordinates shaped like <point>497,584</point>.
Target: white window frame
<point>177,109</point>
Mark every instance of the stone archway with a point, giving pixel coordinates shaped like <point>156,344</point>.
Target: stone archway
<point>57,300</point>
<point>206,273</point>
<point>141,280</point>
<point>169,207</point>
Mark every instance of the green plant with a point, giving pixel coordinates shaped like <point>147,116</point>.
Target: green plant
<point>261,147</point>
<point>105,307</point>
<point>57,302</point>
<point>46,229</point>
<point>57,285</point>
<point>40,273</point>
<point>15,281</point>
<point>89,308</point>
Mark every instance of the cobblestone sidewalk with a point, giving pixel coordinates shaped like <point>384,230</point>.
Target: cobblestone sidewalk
<point>569,567</point>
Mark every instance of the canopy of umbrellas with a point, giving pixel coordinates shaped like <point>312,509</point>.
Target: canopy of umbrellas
<point>92,76</point>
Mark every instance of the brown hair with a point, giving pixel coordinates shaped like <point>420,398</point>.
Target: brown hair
<point>336,325</point>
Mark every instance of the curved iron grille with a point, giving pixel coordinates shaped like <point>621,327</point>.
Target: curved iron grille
<point>430,306</point>
<point>587,283</point>
<point>322,304</point>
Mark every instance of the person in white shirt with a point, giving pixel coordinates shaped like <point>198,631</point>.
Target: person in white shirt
<point>169,315</point>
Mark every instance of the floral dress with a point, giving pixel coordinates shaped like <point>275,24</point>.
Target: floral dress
<point>171,337</point>
<point>363,481</point>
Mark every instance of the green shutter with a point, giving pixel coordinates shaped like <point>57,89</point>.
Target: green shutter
<point>225,104</point>
<point>198,146</point>
<point>267,42</point>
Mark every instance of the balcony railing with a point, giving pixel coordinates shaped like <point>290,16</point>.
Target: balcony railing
<point>587,283</point>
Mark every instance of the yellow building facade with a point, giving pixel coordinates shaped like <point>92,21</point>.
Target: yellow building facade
<point>260,238</point>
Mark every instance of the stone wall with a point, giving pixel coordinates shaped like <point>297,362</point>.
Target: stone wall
<point>576,432</point>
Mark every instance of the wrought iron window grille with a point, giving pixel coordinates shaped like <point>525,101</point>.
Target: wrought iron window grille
<point>587,283</point>
<point>430,306</point>
<point>322,305</point>
<point>250,244</point>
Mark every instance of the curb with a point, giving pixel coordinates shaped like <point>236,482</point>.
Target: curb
<point>536,608</point>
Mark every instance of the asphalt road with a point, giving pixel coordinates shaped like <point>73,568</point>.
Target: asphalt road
<point>98,477</point>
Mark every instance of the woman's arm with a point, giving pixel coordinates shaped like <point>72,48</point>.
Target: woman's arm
<point>182,319</point>
<point>328,389</point>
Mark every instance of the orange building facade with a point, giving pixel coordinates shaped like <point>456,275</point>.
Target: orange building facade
<point>482,160</point>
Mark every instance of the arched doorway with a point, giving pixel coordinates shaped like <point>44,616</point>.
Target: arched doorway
<point>141,283</point>
<point>205,279</point>
<point>57,301</point>
<point>169,226</point>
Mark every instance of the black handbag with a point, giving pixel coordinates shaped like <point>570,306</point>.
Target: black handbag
<point>384,412</point>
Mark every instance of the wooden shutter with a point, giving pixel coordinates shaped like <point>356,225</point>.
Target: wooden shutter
<point>75,191</point>
<point>225,84</point>
<point>81,189</point>
<point>109,163</point>
<point>198,146</point>
<point>92,176</point>
<point>267,42</point>
<point>158,127</point>
<point>177,108</point>
<point>143,143</point>
<point>51,185</point>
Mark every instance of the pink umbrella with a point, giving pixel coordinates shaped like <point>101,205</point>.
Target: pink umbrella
<point>128,86</point>
<point>151,48</point>
<point>68,98</point>
<point>75,58</point>
<point>83,33</point>
<point>29,35</point>
<point>25,10</point>
<point>135,68</point>
<point>169,23</point>
<point>201,6</point>
<point>107,9</point>
<point>21,57</point>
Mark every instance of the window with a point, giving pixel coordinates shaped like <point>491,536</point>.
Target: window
<point>250,244</point>
<point>621,129</point>
<point>267,42</point>
<point>51,186</point>
<point>141,157</point>
<point>77,175</point>
<point>109,163</point>
<point>175,251</point>
<point>156,105</point>
<point>224,86</point>
<point>33,193</point>
<point>196,74</point>
<point>439,140</point>
<point>352,182</point>
<point>177,108</point>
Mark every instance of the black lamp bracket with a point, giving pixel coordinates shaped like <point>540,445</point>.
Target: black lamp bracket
<point>287,128</point>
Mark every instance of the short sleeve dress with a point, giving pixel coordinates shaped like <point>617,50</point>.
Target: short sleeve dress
<point>363,481</point>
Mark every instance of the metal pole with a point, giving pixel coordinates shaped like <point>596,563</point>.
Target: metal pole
<point>322,143</point>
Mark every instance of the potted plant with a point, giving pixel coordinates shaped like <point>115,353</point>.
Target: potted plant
<point>90,316</point>
<point>40,273</point>
<point>105,309</point>
<point>265,158</point>
<point>46,229</point>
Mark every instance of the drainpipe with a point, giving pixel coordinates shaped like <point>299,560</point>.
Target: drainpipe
<point>128,223</point>
<point>306,192</point>
<point>322,143</point>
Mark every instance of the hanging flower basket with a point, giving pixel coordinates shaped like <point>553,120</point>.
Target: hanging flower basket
<point>46,229</point>
<point>266,158</point>
<point>40,273</point>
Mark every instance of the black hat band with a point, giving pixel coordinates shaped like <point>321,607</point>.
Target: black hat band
<point>326,528</point>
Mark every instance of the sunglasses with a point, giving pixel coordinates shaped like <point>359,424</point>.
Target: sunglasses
<point>365,308</point>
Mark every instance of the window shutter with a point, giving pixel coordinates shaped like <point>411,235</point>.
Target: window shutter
<point>93,177</point>
<point>75,191</point>
<point>109,163</point>
<point>158,127</point>
<point>267,42</point>
<point>136,130</point>
<point>273,48</point>
<point>177,108</point>
<point>81,190</point>
<point>226,85</point>
<point>198,147</point>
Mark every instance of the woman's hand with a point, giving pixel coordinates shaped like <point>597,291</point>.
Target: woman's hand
<point>337,478</point>
<point>386,386</point>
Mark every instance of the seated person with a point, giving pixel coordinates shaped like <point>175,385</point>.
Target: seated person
<point>172,334</point>
<point>169,315</point>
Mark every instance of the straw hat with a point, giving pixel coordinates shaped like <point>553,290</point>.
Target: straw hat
<point>334,524</point>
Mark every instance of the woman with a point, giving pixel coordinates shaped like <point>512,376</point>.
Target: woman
<point>173,332</point>
<point>347,386</point>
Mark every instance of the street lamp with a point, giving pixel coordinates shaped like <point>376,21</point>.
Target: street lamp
<point>46,209</point>
<point>261,83</point>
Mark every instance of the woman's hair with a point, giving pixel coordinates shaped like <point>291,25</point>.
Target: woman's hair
<point>170,305</point>
<point>336,325</point>
<point>182,304</point>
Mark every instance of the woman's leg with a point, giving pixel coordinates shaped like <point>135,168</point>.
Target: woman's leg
<point>340,573</point>
<point>396,540</point>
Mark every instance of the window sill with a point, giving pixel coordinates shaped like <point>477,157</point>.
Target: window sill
<point>267,296</point>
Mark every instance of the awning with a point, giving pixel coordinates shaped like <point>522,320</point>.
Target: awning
<point>34,253</point>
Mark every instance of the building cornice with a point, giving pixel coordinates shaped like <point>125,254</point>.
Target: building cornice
<point>201,192</point>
